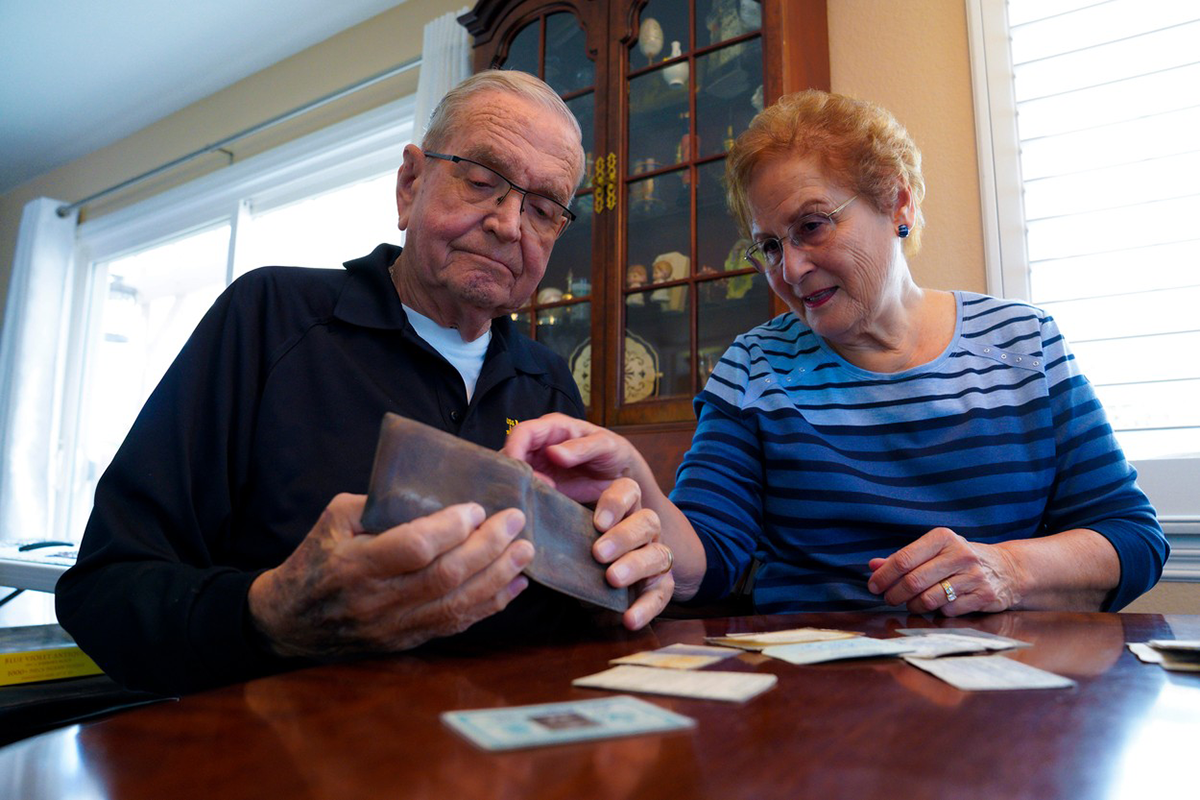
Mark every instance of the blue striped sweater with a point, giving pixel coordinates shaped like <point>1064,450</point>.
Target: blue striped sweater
<point>814,466</point>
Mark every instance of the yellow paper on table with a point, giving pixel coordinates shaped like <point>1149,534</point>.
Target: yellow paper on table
<point>33,653</point>
<point>758,640</point>
<point>678,656</point>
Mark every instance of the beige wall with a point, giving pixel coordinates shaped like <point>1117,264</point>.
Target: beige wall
<point>912,58</point>
<point>367,49</point>
<point>1168,597</point>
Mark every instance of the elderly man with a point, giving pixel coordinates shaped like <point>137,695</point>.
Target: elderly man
<point>201,563</point>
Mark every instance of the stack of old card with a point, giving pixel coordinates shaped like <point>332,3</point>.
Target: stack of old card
<point>818,645</point>
<point>989,673</point>
<point>938,642</point>
<point>920,647</point>
<point>976,673</point>
<point>561,723</point>
<point>1177,655</point>
<point>676,670</point>
<point>808,645</point>
<point>838,649</point>
<point>757,641</point>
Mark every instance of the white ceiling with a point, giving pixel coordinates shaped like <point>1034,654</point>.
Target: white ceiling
<point>77,75</point>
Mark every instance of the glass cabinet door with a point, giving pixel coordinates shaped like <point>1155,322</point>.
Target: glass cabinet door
<point>646,290</point>
<point>693,80</point>
<point>553,46</point>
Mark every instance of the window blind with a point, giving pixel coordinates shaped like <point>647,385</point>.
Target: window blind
<point>1108,108</point>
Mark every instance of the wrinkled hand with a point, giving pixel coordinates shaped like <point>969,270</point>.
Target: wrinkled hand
<point>592,464</point>
<point>576,457</point>
<point>630,543</point>
<point>982,577</point>
<point>341,592</point>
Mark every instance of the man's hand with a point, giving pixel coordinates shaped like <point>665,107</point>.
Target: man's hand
<point>343,592</point>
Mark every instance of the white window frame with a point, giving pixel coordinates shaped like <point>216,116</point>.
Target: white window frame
<point>1170,482</point>
<point>358,148</point>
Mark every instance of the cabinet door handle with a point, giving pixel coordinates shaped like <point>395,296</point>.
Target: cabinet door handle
<point>611,188</point>
<point>604,183</point>
<point>598,183</point>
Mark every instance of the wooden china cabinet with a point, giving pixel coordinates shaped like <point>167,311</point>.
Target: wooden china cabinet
<point>647,288</point>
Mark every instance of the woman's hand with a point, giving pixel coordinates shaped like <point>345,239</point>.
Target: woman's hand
<point>591,464</point>
<point>944,572</point>
<point>576,457</point>
<point>631,544</point>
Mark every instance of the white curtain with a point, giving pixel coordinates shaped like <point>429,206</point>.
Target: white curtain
<point>30,363</point>
<point>445,62</point>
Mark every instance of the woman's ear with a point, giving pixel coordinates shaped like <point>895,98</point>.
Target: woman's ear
<point>408,179</point>
<point>905,211</point>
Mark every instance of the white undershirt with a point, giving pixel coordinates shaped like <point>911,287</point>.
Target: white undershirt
<point>467,357</point>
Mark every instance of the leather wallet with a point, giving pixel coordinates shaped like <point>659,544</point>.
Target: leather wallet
<point>419,470</point>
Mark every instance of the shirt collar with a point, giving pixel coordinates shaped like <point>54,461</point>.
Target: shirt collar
<point>369,300</point>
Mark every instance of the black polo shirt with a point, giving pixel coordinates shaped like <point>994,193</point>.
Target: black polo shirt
<point>273,407</point>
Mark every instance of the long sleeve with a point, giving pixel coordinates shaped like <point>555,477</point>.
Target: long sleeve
<point>1095,487</point>
<point>720,482</point>
<point>147,599</point>
<point>271,409</point>
<point>814,466</point>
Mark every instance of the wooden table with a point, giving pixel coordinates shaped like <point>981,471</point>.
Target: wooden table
<point>875,728</point>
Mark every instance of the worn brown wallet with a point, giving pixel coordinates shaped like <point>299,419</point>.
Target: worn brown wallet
<point>419,470</point>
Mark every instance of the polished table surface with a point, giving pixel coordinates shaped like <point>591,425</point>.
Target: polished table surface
<point>875,728</point>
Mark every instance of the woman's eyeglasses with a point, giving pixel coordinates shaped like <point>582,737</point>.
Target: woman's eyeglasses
<point>812,230</point>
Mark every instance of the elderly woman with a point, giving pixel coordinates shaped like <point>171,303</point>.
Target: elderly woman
<point>882,444</point>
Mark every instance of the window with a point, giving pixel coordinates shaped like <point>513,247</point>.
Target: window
<point>1090,168</point>
<point>144,312</point>
<point>320,230</point>
<point>148,273</point>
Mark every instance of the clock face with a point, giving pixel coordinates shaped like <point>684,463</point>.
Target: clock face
<point>641,370</point>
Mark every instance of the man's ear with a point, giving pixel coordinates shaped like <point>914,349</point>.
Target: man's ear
<point>408,178</point>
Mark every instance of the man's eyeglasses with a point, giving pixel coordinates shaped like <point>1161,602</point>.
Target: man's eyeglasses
<point>811,230</point>
<point>483,187</point>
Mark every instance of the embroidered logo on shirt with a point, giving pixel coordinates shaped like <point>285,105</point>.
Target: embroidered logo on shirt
<point>512,423</point>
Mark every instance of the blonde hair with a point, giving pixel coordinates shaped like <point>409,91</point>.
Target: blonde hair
<point>450,109</point>
<point>857,142</point>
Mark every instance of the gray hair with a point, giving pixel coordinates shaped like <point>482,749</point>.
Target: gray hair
<point>450,109</point>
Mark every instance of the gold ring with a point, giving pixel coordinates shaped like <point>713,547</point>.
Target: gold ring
<point>670,559</point>
<point>951,595</point>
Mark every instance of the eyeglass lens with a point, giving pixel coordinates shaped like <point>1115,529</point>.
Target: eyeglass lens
<point>484,187</point>
<point>811,230</point>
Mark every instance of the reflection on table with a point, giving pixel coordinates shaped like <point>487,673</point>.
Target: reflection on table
<point>873,728</point>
